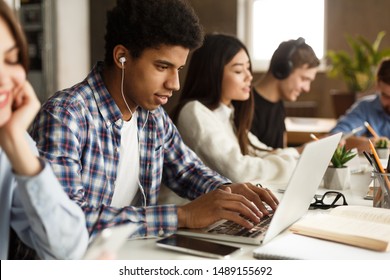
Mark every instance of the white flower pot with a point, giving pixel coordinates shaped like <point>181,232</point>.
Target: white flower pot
<point>337,178</point>
<point>383,153</point>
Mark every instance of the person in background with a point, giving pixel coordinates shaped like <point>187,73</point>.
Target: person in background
<point>373,110</point>
<point>214,115</point>
<point>292,69</point>
<point>112,145</point>
<point>33,205</point>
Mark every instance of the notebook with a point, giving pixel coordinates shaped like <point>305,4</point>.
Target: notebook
<point>288,246</point>
<point>300,190</point>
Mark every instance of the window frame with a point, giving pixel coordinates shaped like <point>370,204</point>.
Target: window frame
<point>245,28</point>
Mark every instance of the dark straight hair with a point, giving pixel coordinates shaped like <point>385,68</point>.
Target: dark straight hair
<point>204,82</point>
<point>10,19</point>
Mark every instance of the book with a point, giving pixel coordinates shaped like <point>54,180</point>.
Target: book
<point>361,226</point>
<point>289,246</point>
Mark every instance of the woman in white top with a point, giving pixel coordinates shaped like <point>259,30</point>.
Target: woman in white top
<point>215,112</point>
<point>32,202</point>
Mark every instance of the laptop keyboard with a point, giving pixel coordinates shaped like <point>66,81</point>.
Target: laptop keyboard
<point>232,228</point>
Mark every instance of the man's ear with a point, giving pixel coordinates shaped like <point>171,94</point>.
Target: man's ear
<point>120,56</point>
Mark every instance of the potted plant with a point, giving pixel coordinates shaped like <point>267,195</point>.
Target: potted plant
<point>338,175</point>
<point>357,69</point>
<point>381,147</point>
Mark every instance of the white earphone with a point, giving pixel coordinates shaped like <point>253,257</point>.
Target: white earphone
<point>122,61</point>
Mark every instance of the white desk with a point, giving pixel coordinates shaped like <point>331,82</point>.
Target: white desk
<point>146,249</point>
<point>299,129</point>
<point>309,125</point>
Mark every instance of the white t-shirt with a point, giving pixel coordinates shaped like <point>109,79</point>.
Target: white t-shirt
<point>127,181</point>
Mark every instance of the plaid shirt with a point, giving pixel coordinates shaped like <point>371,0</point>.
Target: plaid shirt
<point>79,131</point>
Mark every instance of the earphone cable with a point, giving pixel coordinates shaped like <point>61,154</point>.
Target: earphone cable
<point>123,95</point>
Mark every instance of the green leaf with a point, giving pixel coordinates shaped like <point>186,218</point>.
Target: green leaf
<point>341,156</point>
<point>358,68</point>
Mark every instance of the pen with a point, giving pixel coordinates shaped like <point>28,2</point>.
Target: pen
<point>368,158</point>
<point>371,130</point>
<point>374,164</point>
<point>312,136</point>
<point>376,157</point>
<point>353,132</point>
<point>382,181</point>
<point>388,165</point>
<point>385,179</point>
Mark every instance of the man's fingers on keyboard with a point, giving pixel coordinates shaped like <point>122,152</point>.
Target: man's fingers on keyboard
<point>244,212</point>
<point>240,201</point>
<point>259,203</point>
<point>271,203</point>
<point>274,198</point>
<point>267,196</point>
<point>239,219</point>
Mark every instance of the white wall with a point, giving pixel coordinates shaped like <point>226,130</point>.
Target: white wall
<point>73,43</point>
<point>9,2</point>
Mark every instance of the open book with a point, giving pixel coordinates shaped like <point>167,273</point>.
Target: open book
<point>360,226</point>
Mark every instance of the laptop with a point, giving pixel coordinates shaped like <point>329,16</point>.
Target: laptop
<point>296,200</point>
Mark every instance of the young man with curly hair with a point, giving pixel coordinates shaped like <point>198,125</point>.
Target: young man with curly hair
<point>112,145</point>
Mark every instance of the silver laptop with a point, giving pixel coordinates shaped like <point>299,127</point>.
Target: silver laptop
<point>300,190</point>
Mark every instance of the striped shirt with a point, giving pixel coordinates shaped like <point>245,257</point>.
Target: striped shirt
<point>79,131</point>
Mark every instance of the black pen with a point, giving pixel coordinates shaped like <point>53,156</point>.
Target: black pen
<point>388,165</point>
<point>368,157</point>
<point>375,164</point>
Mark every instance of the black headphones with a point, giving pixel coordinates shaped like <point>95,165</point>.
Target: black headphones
<point>281,65</point>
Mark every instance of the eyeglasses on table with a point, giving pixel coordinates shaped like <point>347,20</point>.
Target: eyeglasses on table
<point>328,200</point>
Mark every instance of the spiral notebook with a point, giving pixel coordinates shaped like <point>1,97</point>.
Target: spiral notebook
<point>301,188</point>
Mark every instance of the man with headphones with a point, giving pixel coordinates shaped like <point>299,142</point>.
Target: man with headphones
<point>293,67</point>
<point>112,145</point>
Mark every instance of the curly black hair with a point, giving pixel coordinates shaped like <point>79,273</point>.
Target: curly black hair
<point>141,24</point>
